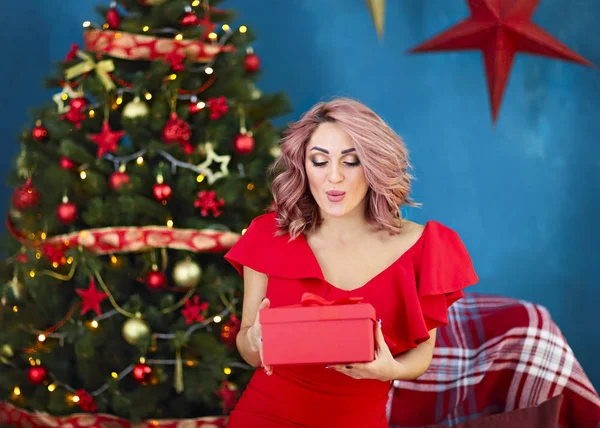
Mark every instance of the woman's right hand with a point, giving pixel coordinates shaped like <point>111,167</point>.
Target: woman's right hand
<point>254,335</point>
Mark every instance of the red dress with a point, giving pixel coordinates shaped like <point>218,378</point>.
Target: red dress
<point>411,297</point>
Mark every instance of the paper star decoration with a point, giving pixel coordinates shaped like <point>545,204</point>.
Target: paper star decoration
<point>107,139</point>
<point>91,298</point>
<point>500,29</point>
<point>66,93</point>
<point>212,157</point>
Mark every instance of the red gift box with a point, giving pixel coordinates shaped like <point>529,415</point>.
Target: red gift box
<point>319,332</point>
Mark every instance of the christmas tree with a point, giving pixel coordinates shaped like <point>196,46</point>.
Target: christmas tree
<point>131,183</point>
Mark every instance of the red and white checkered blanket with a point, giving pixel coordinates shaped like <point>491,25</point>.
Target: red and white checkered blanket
<point>497,354</point>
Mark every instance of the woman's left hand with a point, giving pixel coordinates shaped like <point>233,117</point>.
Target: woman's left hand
<point>384,367</point>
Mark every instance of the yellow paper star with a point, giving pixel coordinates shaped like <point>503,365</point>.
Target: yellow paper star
<point>212,157</point>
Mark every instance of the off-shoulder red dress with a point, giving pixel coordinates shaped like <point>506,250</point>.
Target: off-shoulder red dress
<point>411,297</point>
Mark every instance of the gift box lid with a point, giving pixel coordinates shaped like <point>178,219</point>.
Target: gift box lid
<point>288,314</point>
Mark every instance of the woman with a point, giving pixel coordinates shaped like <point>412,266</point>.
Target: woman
<point>335,229</point>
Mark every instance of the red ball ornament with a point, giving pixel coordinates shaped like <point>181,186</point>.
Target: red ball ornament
<point>112,18</point>
<point>251,63</point>
<point>176,131</point>
<point>162,192</point>
<point>39,133</point>
<point>190,19</point>
<point>37,375</point>
<point>66,212</point>
<point>25,196</point>
<point>142,373</point>
<point>118,179</point>
<point>243,144</point>
<point>155,280</point>
<point>66,163</point>
<point>78,103</point>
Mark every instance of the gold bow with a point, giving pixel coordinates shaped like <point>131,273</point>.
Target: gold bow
<point>102,69</point>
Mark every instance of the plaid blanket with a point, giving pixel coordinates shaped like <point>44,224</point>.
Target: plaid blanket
<point>497,354</point>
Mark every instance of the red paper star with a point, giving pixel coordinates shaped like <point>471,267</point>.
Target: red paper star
<point>107,139</point>
<point>207,25</point>
<point>91,298</point>
<point>500,29</point>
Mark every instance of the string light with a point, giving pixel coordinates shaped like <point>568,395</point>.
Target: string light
<point>200,178</point>
<point>212,36</point>
<point>114,260</point>
<point>38,255</point>
<point>217,318</point>
<point>75,398</point>
<point>145,28</point>
<point>94,324</point>
<point>196,3</point>
<point>83,175</point>
<point>86,24</point>
<point>179,37</point>
<point>250,186</point>
<point>92,113</point>
<point>226,27</point>
<point>54,265</point>
<point>243,29</point>
<point>32,273</point>
<point>140,160</point>
<point>208,70</point>
<point>43,235</point>
<point>114,375</point>
<point>119,100</point>
<point>227,370</point>
<point>17,390</point>
<point>173,77</point>
<point>169,223</point>
<point>148,96</point>
<point>15,308</point>
<point>41,337</point>
<point>70,260</point>
<point>51,387</point>
<point>244,231</point>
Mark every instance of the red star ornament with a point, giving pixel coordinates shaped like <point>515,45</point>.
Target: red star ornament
<point>91,298</point>
<point>107,139</point>
<point>500,29</point>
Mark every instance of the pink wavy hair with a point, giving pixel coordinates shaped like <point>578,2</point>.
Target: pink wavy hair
<point>381,152</point>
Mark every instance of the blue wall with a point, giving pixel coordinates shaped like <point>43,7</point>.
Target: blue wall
<point>524,195</point>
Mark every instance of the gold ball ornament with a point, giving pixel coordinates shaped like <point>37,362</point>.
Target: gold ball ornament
<point>187,273</point>
<point>135,331</point>
<point>136,109</point>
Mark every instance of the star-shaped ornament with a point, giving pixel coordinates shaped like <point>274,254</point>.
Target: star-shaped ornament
<point>66,93</point>
<point>107,139</point>
<point>212,157</point>
<point>500,29</point>
<point>91,298</point>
